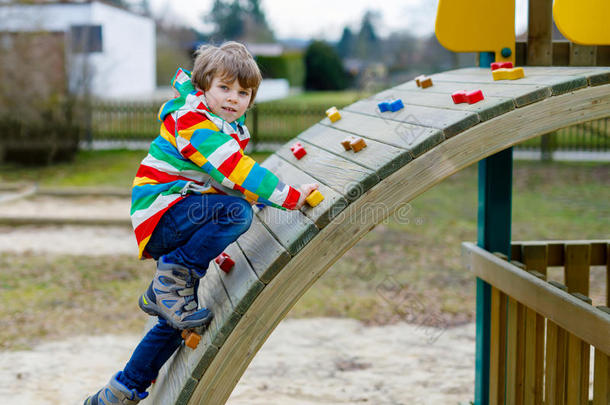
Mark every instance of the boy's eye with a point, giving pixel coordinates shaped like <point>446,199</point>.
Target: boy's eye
<point>244,93</point>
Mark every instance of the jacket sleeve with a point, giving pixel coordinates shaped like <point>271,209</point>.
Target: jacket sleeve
<point>220,156</point>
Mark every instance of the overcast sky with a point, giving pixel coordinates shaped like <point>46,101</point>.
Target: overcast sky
<point>325,19</point>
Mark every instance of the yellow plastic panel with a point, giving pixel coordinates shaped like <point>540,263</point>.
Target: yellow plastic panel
<point>583,21</point>
<point>477,26</point>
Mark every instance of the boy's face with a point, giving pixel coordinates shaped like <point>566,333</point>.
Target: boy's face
<point>227,99</point>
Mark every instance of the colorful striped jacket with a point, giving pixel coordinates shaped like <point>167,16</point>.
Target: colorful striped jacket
<point>198,152</point>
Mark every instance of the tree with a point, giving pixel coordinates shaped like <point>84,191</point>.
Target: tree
<point>345,47</point>
<point>240,20</point>
<point>323,68</point>
<point>368,43</point>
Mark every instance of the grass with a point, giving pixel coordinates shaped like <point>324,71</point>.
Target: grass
<point>408,268</point>
<point>320,98</point>
<point>110,168</point>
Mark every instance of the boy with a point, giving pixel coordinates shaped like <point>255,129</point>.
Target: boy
<point>191,198</point>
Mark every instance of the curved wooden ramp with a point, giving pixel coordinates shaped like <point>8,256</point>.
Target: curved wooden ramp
<point>409,151</point>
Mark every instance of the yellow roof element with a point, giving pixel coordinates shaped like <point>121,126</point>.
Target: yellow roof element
<point>478,26</point>
<point>583,22</point>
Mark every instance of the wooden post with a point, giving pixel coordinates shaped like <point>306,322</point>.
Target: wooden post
<point>577,259</point>
<point>511,351</point>
<point>539,33</point>
<point>582,55</point>
<point>494,218</point>
<point>601,379</point>
<point>497,357</point>
<point>535,257</point>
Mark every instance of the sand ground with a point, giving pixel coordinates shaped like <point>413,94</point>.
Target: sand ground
<point>305,361</point>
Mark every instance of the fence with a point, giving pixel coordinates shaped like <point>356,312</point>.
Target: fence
<point>542,331</point>
<point>276,123</point>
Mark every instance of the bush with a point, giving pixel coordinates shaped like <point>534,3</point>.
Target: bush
<point>34,143</point>
<point>288,66</point>
<point>323,68</point>
<point>38,115</point>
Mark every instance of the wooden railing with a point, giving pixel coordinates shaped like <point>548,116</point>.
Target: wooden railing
<point>542,330</point>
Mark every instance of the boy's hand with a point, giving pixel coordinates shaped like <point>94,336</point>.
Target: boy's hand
<point>305,190</point>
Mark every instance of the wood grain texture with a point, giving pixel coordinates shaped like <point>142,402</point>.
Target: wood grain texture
<point>291,228</point>
<point>330,243</point>
<point>486,109</point>
<point>559,83</point>
<point>241,282</point>
<point>585,322</point>
<point>521,94</point>
<point>450,122</point>
<point>324,212</point>
<point>382,158</point>
<point>601,379</point>
<point>576,267</point>
<point>349,179</point>
<point>265,254</point>
<point>213,296</point>
<point>417,139</point>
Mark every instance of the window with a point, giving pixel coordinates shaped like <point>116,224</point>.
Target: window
<point>86,38</point>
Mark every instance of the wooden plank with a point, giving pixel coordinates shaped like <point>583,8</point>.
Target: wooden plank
<point>241,282</point>
<point>559,84</point>
<point>589,324</point>
<point>582,55</point>
<point>382,158</point>
<point>608,275</point>
<point>574,370</point>
<point>555,364</point>
<point>497,356</point>
<point>291,227</point>
<point>520,370</point>
<point>265,254</point>
<point>450,122</point>
<point>601,379</point>
<point>522,94</point>
<point>442,161</point>
<point>577,259</point>
<point>416,139</point>
<point>561,53</point>
<point>515,251</point>
<point>486,109</point>
<point>213,296</point>
<point>511,351</point>
<point>598,253</point>
<point>324,212</point>
<point>529,378</point>
<point>540,33</point>
<point>345,177</point>
<point>595,75</point>
<point>585,353</point>
<point>556,253</point>
<point>180,375</point>
<point>535,257</point>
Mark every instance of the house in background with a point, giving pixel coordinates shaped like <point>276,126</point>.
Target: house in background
<point>107,51</point>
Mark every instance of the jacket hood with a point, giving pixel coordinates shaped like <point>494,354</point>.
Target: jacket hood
<point>181,82</point>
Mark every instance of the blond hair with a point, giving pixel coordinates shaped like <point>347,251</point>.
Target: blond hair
<point>229,61</point>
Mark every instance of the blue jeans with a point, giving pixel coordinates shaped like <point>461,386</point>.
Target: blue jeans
<point>191,233</point>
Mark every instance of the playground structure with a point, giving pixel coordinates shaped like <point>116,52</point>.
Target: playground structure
<point>533,336</point>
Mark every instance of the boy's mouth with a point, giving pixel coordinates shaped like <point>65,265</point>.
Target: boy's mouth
<point>229,109</point>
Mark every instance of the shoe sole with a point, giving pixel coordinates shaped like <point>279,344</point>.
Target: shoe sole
<point>153,310</point>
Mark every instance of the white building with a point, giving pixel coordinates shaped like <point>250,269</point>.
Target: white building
<point>112,47</point>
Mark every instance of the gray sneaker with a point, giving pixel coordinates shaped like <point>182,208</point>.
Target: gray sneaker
<point>116,392</point>
<point>171,295</point>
